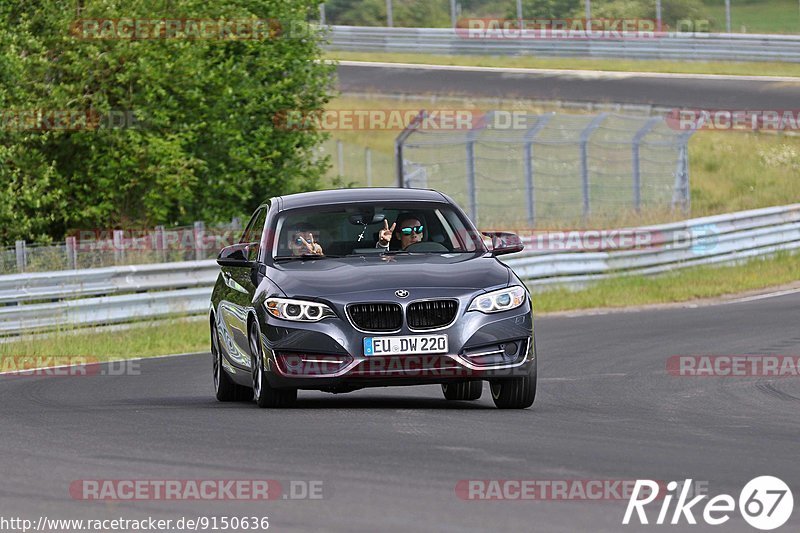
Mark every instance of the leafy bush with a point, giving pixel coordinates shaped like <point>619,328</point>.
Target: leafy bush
<point>206,146</point>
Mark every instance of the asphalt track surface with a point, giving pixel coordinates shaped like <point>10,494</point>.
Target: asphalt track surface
<point>389,459</point>
<point>631,88</point>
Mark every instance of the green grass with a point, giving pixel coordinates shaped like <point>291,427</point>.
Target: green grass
<point>765,16</point>
<point>620,65</point>
<point>141,340</point>
<point>678,286</point>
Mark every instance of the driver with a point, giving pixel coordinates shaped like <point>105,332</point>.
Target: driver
<point>302,240</point>
<point>409,230</point>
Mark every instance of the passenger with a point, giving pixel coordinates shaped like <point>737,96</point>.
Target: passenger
<point>302,240</point>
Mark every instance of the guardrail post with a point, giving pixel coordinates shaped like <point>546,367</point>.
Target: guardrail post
<point>322,14</point>
<point>529,184</point>
<point>119,245</point>
<point>22,255</point>
<point>72,252</point>
<point>585,134</point>
<point>368,165</point>
<point>637,168</point>
<point>199,239</point>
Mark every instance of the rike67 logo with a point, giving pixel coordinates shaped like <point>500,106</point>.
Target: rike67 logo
<point>765,503</point>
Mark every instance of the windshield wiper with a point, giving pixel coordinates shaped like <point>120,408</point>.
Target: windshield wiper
<point>303,257</point>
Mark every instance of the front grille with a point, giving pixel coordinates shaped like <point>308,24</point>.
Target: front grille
<point>431,314</point>
<point>376,317</point>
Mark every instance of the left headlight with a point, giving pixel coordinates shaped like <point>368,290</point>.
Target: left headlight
<point>496,301</point>
<point>297,310</point>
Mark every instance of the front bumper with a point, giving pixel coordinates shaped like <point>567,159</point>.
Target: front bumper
<point>329,355</point>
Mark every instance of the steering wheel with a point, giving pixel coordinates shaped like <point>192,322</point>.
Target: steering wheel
<point>427,246</point>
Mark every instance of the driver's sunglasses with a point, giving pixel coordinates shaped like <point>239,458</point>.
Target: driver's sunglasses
<point>297,240</point>
<point>414,229</point>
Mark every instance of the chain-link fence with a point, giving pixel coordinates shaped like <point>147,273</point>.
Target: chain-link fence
<point>356,164</point>
<point>104,248</point>
<point>513,170</point>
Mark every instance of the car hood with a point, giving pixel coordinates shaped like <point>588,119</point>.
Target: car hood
<point>334,276</point>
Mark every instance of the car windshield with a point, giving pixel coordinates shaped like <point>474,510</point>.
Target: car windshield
<point>361,229</point>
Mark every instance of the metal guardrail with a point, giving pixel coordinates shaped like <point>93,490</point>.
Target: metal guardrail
<point>120,294</point>
<point>716,239</point>
<point>671,46</point>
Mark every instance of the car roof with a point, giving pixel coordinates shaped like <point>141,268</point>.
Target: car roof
<point>366,194</point>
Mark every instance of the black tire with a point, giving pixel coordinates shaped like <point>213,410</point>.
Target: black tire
<point>225,389</point>
<point>515,393</point>
<point>463,390</point>
<point>264,395</point>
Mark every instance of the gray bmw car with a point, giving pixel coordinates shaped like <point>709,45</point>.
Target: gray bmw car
<point>345,289</point>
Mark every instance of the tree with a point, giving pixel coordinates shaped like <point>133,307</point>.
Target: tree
<point>206,143</point>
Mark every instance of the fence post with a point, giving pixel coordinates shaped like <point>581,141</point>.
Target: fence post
<point>585,134</point>
<point>322,14</point>
<point>368,164</point>
<point>340,157</point>
<point>727,16</point>
<point>22,255</point>
<point>472,192</point>
<point>389,14</point>
<point>400,141</point>
<point>199,239</point>
<point>530,190</point>
<point>637,168</point>
<point>118,241</point>
<point>72,252</point>
<point>658,16</point>
<point>159,243</point>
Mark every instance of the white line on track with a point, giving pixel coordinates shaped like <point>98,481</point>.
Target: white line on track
<point>763,296</point>
<point>589,74</point>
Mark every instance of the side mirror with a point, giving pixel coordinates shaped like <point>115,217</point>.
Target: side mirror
<point>238,255</point>
<point>504,242</point>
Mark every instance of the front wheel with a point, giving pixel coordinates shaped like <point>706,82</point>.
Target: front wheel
<point>264,395</point>
<point>225,389</point>
<point>515,393</point>
<point>464,390</point>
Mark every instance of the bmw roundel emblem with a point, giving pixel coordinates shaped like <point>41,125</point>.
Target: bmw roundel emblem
<point>402,293</point>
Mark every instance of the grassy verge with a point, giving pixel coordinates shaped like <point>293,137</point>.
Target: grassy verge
<point>747,16</point>
<point>619,65</point>
<point>679,286</point>
<point>174,336</point>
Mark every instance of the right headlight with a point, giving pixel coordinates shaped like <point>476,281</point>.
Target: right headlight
<point>297,310</point>
<point>501,300</point>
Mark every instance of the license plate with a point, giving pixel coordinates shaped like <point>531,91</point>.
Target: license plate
<point>413,345</point>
